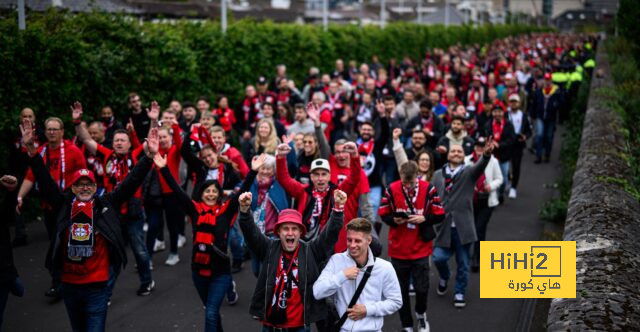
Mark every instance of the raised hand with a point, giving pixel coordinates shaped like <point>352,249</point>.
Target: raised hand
<point>76,111</point>
<point>160,161</point>
<point>286,139</point>
<point>397,132</point>
<point>130,127</point>
<point>154,111</point>
<point>9,181</point>
<point>151,143</point>
<point>313,113</point>
<point>283,150</point>
<point>26,130</point>
<point>339,197</point>
<point>245,201</point>
<point>258,161</point>
<point>489,146</point>
<point>351,148</point>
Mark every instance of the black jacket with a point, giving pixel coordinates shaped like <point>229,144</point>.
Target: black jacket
<point>106,210</point>
<point>310,258</point>
<point>507,141</point>
<point>525,130</point>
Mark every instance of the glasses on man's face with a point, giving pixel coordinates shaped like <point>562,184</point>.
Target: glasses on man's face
<point>84,185</point>
<point>53,130</point>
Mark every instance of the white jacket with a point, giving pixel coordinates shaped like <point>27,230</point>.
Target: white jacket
<point>493,177</point>
<point>381,294</point>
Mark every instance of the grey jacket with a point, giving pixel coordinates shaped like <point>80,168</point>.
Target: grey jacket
<point>458,203</point>
<point>310,257</point>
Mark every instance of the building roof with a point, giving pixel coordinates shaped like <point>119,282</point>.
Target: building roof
<point>73,5</point>
<point>438,17</point>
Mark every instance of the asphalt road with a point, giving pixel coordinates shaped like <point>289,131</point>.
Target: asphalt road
<point>175,306</point>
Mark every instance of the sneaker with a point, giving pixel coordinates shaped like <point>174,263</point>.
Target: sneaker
<point>412,290</point>
<point>159,246</point>
<point>423,324</point>
<point>53,292</point>
<point>145,289</point>
<point>407,329</point>
<point>181,240</point>
<point>145,227</point>
<point>236,266</point>
<point>442,287</point>
<point>513,193</point>
<point>232,297</point>
<point>172,260</point>
<point>458,301</point>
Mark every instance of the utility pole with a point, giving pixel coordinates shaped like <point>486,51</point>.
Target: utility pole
<point>223,15</point>
<point>325,15</point>
<point>21,21</point>
<point>382,16</point>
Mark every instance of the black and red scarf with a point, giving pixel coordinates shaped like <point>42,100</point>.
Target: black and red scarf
<point>81,232</point>
<point>497,129</point>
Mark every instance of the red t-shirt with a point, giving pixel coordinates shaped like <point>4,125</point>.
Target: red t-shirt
<point>93,269</point>
<point>338,175</point>
<point>73,161</point>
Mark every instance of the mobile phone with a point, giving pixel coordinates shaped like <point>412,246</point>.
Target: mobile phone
<point>402,215</point>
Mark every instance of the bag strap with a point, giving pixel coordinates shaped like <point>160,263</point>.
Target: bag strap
<point>354,299</point>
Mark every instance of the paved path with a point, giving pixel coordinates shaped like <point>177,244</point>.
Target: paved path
<point>175,306</point>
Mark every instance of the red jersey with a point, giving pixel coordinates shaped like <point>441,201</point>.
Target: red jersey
<point>293,303</point>
<point>61,170</point>
<point>89,270</point>
<point>405,241</point>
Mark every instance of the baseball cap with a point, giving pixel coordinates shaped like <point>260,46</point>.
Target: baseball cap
<point>290,216</point>
<point>469,116</point>
<point>83,173</point>
<point>481,141</point>
<point>514,96</point>
<point>320,164</point>
<point>262,80</point>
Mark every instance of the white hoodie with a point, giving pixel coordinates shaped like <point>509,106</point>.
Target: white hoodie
<point>381,294</point>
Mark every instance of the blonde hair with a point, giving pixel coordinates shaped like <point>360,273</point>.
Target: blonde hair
<point>271,142</point>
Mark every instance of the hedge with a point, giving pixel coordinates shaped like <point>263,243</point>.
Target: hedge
<point>98,58</point>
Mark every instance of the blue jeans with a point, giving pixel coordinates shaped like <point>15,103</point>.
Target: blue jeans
<point>544,137</point>
<point>86,307</point>
<point>212,291</point>
<point>375,195</point>
<point>441,257</point>
<point>504,169</point>
<point>133,233</point>
<point>14,287</point>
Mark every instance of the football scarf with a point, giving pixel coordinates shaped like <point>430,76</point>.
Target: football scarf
<point>81,234</point>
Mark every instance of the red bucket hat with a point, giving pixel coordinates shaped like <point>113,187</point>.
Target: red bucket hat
<point>290,216</point>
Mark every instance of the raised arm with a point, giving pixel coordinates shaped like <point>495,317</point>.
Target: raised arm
<point>185,201</point>
<point>257,242</point>
<point>323,244</point>
<point>478,168</point>
<point>127,188</point>
<point>323,145</point>
<point>294,188</point>
<point>50,190</point>
<point>398,149</point>
<point>352,181</point>
<point>185,151</point>
<point>81,128</point>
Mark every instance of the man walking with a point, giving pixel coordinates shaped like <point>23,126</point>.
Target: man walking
<point>356,276</point>
<point>455,183</point>
<point>282,299</point>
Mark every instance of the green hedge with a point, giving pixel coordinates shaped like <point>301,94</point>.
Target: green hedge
<point>99,58</point>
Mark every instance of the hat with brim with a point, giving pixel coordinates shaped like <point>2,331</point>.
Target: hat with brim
<point>290,216</point>
<point>83,173</point>
<point>320,164</point>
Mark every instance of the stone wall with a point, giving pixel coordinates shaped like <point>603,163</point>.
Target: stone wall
<point>604,220</point>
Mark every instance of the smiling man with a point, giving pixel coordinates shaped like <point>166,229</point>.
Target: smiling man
<point>341,279</point>
<point>282,299</point>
